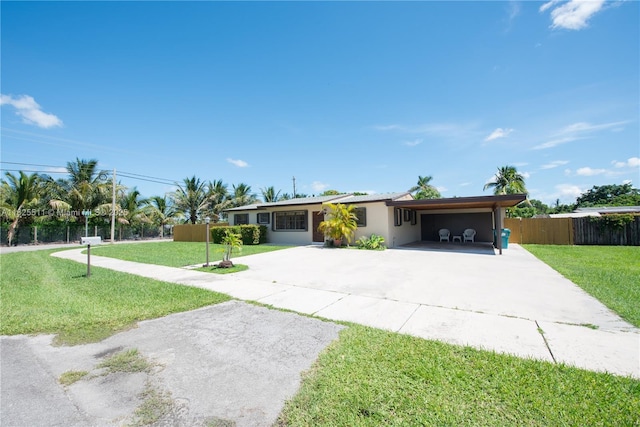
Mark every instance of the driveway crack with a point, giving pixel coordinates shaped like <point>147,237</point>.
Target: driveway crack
<point>546,343</point>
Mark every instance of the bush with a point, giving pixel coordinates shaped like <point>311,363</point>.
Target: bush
<point>374,242</point>
<point>251,234</point>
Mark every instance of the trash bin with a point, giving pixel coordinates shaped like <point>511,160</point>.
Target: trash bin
<point>505,238</point>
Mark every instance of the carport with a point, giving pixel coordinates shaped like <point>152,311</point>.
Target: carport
<point>482,213</point>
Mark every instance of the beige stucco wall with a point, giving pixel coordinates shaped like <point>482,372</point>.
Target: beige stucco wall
<point>293,237</point>
<point>403,234</point>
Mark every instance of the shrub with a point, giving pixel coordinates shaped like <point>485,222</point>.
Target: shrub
<point>250,234</point>
<point>374,242</point>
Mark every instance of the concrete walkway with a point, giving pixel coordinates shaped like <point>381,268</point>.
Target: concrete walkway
<point>511,304</point>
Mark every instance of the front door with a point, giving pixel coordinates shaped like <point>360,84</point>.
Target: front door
<point>318,217</point>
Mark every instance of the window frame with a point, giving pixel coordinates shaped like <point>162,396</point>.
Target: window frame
<point>236,218</point>
<point>263,215</point>
<point>362,219</point>
<point>397,217</point>
<point>291,213</point>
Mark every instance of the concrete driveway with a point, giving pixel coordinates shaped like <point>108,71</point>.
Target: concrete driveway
<point>512,303</point>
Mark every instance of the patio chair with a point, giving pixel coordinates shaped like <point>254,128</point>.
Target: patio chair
<point>469,235</point>
<point>444,234</point>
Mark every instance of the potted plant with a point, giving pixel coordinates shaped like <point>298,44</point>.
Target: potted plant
<point>340,223</point>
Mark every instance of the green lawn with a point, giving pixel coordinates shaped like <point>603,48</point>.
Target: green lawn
<point>371,377</point>
<point>175,254</point>
<point>609,273</point>
<point>43,294</point>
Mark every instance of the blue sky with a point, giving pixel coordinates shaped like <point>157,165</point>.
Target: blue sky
<point>357,96</point>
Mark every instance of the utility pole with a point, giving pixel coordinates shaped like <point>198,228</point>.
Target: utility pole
<point>113,207</point>
<point>294,187</point>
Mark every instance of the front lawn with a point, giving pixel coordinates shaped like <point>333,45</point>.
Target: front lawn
<point>43,294</point>
<point>609,273</point>
<point>175,254</point>
<point>371,377</point>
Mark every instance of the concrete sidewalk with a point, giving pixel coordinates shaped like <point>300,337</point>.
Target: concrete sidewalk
<point>510,304</point>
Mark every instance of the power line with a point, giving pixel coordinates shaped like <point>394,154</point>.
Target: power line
<point>129,175</point>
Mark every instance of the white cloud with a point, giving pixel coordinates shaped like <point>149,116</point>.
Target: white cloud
<point>554,164</point>
<point>587,171</point>
<point>548,5</point>
<point>439,130</point>
<point>568,190</point>
<point>319,186</point>
<point>525,175</point>
<point>577,131</point>
<point>412,143</point>
<point>464,184</point>
<point>632,162</point>
<point>238,163</point>
<point>498,133</point>
<point>442,189</point>
<point>30,111</point>
<point>572,15</point>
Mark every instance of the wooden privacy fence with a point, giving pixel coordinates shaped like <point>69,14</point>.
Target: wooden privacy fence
<point>193,232</point>
<point>190,233</point>
<point>571,231</point>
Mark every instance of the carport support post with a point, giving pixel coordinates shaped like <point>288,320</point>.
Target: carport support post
<point>498,220</point>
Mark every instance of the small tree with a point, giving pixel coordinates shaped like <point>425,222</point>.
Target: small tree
<point>340,222</point>
<point>231,241</point>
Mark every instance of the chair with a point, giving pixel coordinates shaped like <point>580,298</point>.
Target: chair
<point>469,235</point>
<point>444,234</point>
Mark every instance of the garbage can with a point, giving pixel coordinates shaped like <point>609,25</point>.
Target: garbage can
<point>505,238</point>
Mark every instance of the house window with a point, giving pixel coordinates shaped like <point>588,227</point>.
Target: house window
<point>290,221</point>
<point>407,215</point>
<point>263,218</point>
<point>361,214</point>
<point>239,219</point>
<point>414,217</point>
<point>397,217</point>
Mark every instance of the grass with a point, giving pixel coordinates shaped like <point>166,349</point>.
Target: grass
<point>213,269</point>
<point>126,361</point>
<point>608,273</point>
<point>175,254</point>
<point>43,294</point>
<point>371,377</point>
<point>71,377</point>
<point>156,403</point>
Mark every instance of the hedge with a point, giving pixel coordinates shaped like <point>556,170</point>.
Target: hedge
<point>251,234</point>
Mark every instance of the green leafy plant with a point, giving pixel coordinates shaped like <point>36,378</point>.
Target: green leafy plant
<point>340,223</point>
<point>373,242</point>
<point>231,241</point>
<point>612,221</point>
<point>250,234</point>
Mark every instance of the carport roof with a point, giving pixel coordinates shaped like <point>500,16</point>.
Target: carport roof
<point>491,202</point>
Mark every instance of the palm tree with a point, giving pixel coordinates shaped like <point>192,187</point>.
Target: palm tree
<point>161,211</point>
<point>85,189</point>
<point>507,181</point>
<point>241,195</point>
<point>424,190</point>
<point>269,194</point>
<point>218,196</point>
<point>132,209</point>
<point>341,222</point>
<point>190,198</point>
<point>18,194</point>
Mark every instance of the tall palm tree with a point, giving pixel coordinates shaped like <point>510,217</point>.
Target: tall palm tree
<point>133,208</point>
<point>18,194</point>
<point>190,199</point>
<point>507,181</point>
<point>242,195</point>
<point>85,189</point>
<point>161,211</point>
<point>341,222</point>
<point>269,194</point>
<point>424,190</point>
<point>218,197</point>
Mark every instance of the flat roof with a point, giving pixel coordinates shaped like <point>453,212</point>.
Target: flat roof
<point>492,202</point>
